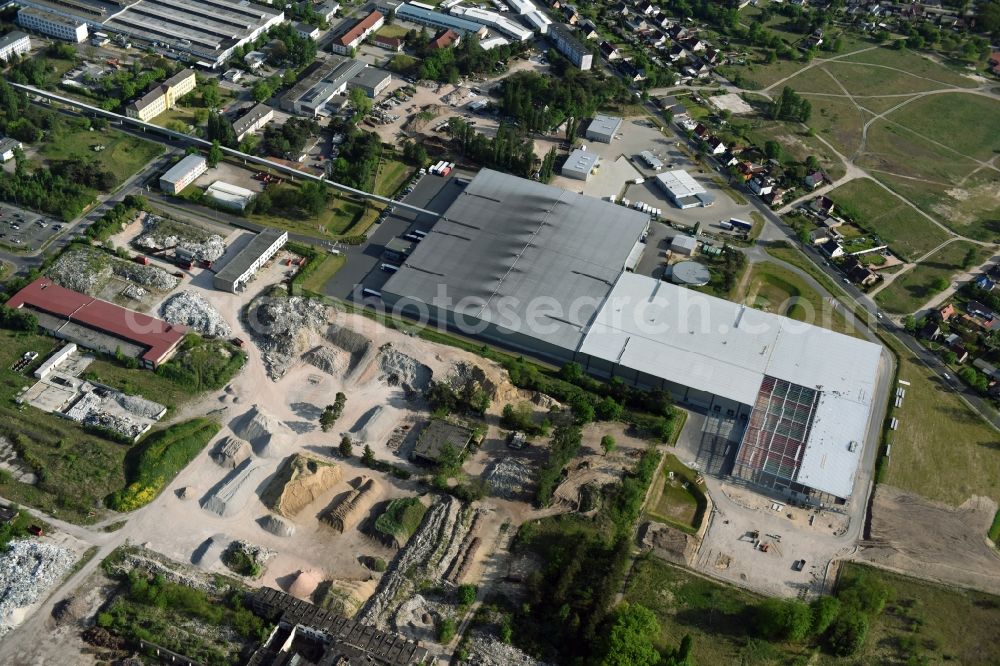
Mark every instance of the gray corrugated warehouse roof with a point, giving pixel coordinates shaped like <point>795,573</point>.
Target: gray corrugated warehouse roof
<point>239,264</point>
<point>182,168</point>
<point>604,125</point>
<point>508,245</point>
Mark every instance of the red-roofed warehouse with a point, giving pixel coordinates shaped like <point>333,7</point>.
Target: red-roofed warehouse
<point>97,324</point>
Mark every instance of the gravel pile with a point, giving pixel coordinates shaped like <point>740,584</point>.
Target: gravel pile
<point>28,569</point>
<point>398,369</point>
<point>280,327</point>
<point>276,526</point>
<point>190,309</point>
<point>510,478</point>
<point>327,359</point>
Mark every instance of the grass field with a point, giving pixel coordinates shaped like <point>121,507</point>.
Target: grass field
<point>776,289</point>
<point>327,268</point>
<point>955,120</point>
<point>123,154</point>
<point>942,450</point>
<point>392,31</point>
<point>716,616</point>
<point>839,122</point>
<point>970,208</point>
<point>913,64</point>
<point>338,218</point>
<point>77,469</point>
<point>797,144</point>
<point>391,176</point>
<point>671,502</point>
<point>908,233</point>
<point>912,289</point>
<point>924,623</point>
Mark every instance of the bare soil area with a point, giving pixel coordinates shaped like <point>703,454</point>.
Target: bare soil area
<point>930,540</point>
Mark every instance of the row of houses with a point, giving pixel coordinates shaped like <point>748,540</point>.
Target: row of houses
<point>965,326</point>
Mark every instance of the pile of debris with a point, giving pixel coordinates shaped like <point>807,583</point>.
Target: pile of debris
<point>230,452</point>
<point>398,369</point>
<point>280,326</point>
<point>87,270</point>
<point>484,649</point>
<point>121,425</point>
<point>249,557</point>
<point>139,406</point>
<point>160,234</point>
<point>510,478</point>
<point>27,570</point>
<point>192,310</point>
<point>352,342</point>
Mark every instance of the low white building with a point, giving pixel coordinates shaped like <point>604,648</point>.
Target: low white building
<point>252,121</point>
<point>579,164</point>
<point>7,148</point>
<point>684,245</point>
<point>307,31</point>
<point>183,174</point>
<point>14,44</point>
<point>52,24</point>
<point>235,274</point>
<point>228,195</point>
<point>53,362</point>
<point>255,59</point>
<point>684,191</point>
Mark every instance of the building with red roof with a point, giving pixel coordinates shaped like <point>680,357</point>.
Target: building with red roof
<point>100,325</point>
<point>358,33</point>
<point>444,39</point>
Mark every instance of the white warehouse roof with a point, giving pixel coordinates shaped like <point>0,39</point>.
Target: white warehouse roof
<point>726,349</point>
<point>680,183</point>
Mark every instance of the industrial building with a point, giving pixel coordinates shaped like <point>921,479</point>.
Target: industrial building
<point>229,196</point>
<point>52,24</point>
<point>494,20</point>
<point>546,272</point>
<point>238,271</point>
<point>683,190</point>
<point>651,160</point>
<point>433,19</point>
<point>684,245</point>
<point>183,174</point>
<point>252,120</point>
<point>325,80</point>
<point>579,164</point>
<point>357,33</point>
<point>96,324</point>
<point>209,31</point>
<point>8,146</point>
<point>162,96</point>
<point>603,128</point>
<point>571,47</point>
<point>14,44</point>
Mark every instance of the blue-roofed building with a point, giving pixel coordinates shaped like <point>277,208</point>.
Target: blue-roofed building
<point>409,12</point>
<point>984,283</point>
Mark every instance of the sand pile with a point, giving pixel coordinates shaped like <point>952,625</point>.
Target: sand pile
<point>235,491</point>
<point>299,481</point>
<point>349,511</point>
<point>327,359</point>
<point>231,452</point>
<point>276,526</point>
<point>305,584</point>
<point>265,433</point>
<point>344,597</point>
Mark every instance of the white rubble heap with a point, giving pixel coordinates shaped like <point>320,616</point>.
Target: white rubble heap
<point>486,650</point>
<point>510,478</point>
<point>86,269</point>
<point>192,310</point>
<point>27,570</point>
<point>280,328</point>
<point>208,247</point>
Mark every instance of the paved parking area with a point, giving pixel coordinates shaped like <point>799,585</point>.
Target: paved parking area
<point>25,230</point>
<point>364,262</point>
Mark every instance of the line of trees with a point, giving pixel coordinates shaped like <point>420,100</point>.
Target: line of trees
<point>791,106</point>
<point>540,103</point>
<point>510,150</point>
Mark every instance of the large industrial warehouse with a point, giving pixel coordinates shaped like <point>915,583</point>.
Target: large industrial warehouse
<point>546,271</point>
<point>209,30</point>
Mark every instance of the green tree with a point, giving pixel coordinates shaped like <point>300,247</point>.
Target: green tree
<point>361,102</point>
<point>824,612</point>
<point>629,638</point>
<point>346,447</point>
<point>608,444</point>
<point>214,154</point>
<point>780,619</point>
<point>368,456</point>
<point>848,633</point>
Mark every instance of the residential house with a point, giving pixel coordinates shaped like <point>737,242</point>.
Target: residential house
<point>961,353</point>
<point>694,44</point>
<point>995,63</point>
<point>444,39</point>
<point>822,205</point>
<point>947,312</point>
<point>7,148</point>
<point>716,146</point>
<point>859,273</point>
<point>762,185</point>
<point>819,236</point>
<point>648,9</point>
<point>678,52</point>
<point>631,72</point>
<point>609,51</point>
<point>307,31</point>
<point>588,30</point>
<point>776,197</point>
<point>977,309</point>
<point>984,282</point>
<point>814,180</point>
<point>388,43</point>
<point>930,329</point>
<point>701,131</point>
<point>832,249</point>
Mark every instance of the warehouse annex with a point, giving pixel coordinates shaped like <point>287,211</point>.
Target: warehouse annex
<point>548,272</point>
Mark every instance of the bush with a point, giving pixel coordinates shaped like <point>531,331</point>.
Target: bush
<point>824,611</point>
<point>446,631</point>
<point>158,459</point>
<point>564,447</point>
<point>783,620</point>
<point>847,634</point>
<point>467,594</point>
